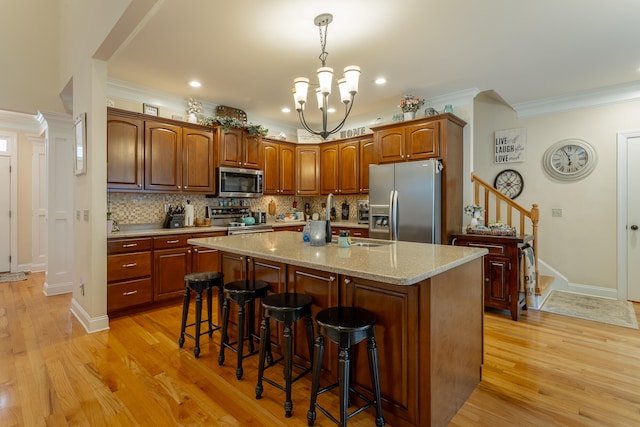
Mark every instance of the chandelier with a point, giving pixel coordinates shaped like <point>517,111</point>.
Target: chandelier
<point>348,85</point>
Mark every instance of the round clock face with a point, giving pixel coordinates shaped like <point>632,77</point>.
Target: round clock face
<point>509,182</point>
<point>569,160</point>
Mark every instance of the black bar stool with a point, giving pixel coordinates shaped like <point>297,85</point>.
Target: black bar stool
<point>286,308</point>
<point>241,292</point>
<point>345,326</point>
<point>199,282</point>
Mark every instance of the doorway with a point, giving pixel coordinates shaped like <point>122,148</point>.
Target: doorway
<point>8,202</point>
<point>628,216</point>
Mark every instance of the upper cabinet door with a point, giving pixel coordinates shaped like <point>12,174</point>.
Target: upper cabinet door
<point>197,161</point>
<point>125,153</point>
<point>367,157</point>
<point>329,178</point>
<point>163,157</point>
<point>287,169</point>
<point>348,171</point>
<point>422,141</point>
<point>230,147</point>
<point>271,169</point>
<point>308,170</point>
<point>391,145</point>
<point>252,151</point>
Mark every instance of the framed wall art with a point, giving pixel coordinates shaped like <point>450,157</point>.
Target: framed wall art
<point>150,110</point>
<point>80,144</point>
<point>510,146</point>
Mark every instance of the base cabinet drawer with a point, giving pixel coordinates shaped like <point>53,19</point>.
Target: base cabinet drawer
<point>129,293</point>
<point>128,266</point>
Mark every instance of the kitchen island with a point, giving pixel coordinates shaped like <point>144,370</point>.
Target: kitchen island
<point>428,300</point>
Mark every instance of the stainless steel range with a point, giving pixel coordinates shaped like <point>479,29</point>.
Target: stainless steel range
<point>231,217</point>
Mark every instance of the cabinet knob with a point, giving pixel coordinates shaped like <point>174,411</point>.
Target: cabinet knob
<point>178,187</point>
<point>347,281</point>
<point>139,185</point>
<point>634,227</point>
<point>331,278</point>
<point>486,279</point>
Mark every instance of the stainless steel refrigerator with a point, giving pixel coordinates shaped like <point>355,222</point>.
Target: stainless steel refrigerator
<point>405,201</point>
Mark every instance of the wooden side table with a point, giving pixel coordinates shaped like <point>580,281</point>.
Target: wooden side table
<point>501,275</point>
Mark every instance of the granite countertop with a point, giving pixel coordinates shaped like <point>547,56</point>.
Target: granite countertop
<point>155,230</point>
<point>398,263</point>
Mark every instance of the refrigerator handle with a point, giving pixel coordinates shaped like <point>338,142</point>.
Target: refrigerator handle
<point>391,236</point>
<point>393,220</point>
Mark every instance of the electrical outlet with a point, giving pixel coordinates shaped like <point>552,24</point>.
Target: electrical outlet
<point>78,215</point>
<point>556,212</point>
<point>86,214</point>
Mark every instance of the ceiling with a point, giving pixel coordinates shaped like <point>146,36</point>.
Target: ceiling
<point>247,53</point>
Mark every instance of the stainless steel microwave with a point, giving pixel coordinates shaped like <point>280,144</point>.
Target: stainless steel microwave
<point>237,182</point>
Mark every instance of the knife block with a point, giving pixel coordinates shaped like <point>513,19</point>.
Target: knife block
<point>174,221</point>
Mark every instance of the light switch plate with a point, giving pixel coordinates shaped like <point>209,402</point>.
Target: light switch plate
<point>556,212</point>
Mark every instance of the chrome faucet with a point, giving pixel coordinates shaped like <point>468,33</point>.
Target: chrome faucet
<point>328,230</point>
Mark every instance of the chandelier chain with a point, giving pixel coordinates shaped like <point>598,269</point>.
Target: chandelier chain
<point>323,43</point>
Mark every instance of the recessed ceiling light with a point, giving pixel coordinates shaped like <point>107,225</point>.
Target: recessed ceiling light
<point>381,81</point>
<point>195,83</point>
<point>331,110</point>
<point>286,110</point>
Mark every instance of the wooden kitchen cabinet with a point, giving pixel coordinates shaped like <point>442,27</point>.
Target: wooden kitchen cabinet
<point>129,273</point>
<point>125,151</point>
<point>163,156</point>
<point>237,148</point>
<point>278,167</point>
<point>205,259</point>
<point>198,170</point>
<point>439,136</point>
<point>307,170</point>
<point>339,165</point>
<point>323,288</point>
<point>178,159</point>
<point>367,157</point>
<point>501,276</point>
<point>235,267</point>
<point>171,261</point>
<point>408,142</point>
<point>397,315</point>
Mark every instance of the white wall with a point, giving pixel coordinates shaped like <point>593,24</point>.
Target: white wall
<point>582,243</point>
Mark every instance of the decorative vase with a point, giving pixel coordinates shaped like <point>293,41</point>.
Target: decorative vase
<point>409,115</point>
<point>475,220</point>
<point>192,118</point>
<point>109,226</point>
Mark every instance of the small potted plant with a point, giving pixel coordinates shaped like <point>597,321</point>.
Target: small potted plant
<point>475,212</point>
<point>409,104</point>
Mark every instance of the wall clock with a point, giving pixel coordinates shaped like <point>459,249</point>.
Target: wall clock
<point>509,182</point>
<point>569,160</point>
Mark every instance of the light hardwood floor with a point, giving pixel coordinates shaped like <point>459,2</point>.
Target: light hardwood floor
<point>545,370</point>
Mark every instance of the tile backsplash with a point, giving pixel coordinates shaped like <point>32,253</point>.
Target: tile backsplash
<point>148,208</point>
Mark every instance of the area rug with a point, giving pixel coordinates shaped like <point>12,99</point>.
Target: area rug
<point>12,277</point>
<point>603,310</point>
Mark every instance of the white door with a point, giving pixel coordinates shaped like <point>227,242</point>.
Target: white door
<point>5,213</point>
<point>633,218</point>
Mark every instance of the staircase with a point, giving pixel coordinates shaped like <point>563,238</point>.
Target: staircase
<point>500,208</point>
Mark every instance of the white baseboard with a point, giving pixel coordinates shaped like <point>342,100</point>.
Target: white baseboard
<point>561,283</point>
<point>58,289</point>
<point>90,324</point>
<point>33,268</point>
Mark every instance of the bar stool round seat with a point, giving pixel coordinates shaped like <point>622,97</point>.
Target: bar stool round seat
<point>345,326</point>
<point>198,283</point>
<point>286,308</point>
<point>242,292</point>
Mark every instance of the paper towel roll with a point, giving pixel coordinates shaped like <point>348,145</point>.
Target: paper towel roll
<point>188,216</point>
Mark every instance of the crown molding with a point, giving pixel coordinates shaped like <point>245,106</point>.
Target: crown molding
<point>19,121</point>
<point>144,95</point>
<point>461,97</point>
<point>594,98</point>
